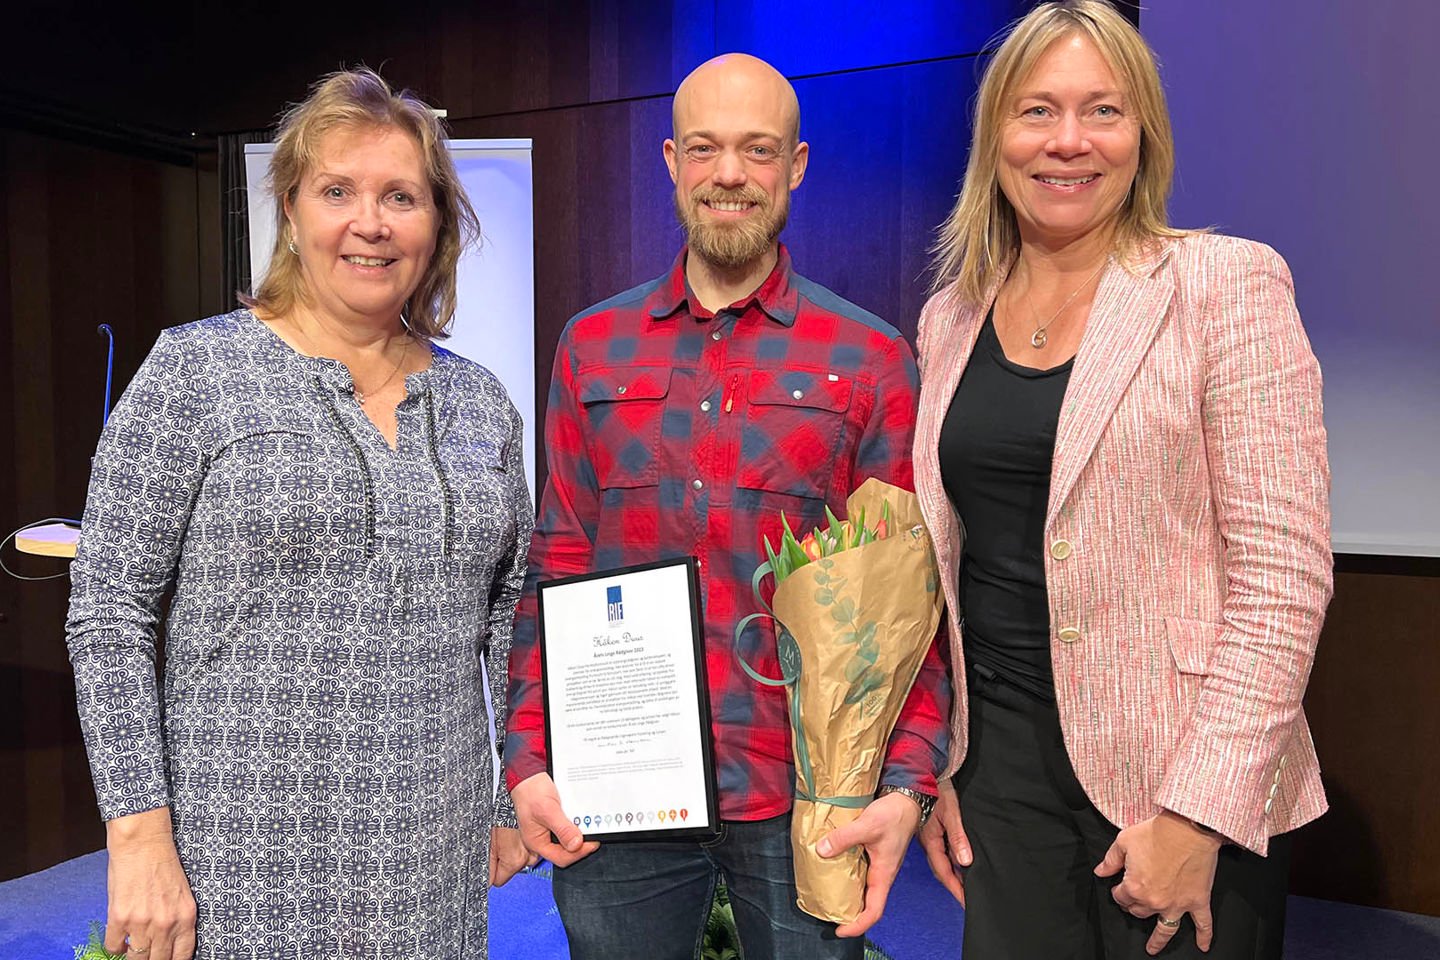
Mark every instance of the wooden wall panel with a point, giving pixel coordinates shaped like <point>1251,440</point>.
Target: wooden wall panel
<point>1373,709</point>
<point>88,236</point>
<point>476,59</point>
<point>122,64</point>
<point>214,68</point>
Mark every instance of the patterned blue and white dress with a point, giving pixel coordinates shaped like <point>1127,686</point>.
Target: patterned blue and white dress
<point>321,733</point>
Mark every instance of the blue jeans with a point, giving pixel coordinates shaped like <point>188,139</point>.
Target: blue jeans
<point>650,900</point>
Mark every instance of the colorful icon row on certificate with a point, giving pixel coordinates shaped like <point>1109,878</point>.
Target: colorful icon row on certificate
<point>632,819</point>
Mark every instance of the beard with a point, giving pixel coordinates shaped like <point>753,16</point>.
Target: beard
<point>730,245</point>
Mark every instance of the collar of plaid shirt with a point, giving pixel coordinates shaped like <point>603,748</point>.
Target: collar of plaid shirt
<point>777,296</point>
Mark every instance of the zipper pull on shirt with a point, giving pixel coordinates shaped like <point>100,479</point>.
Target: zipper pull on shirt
<point>730,393</point>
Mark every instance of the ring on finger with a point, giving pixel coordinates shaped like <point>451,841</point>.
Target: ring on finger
<point>1172,924</point>
<point>133,951</point>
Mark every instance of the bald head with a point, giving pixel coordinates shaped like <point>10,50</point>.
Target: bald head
<point>733,83</point>
<point>735,158</point>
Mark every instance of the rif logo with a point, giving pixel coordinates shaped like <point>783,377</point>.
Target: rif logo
<point>614,606</point>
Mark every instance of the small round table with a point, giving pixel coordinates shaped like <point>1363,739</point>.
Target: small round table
<point>49,540</point>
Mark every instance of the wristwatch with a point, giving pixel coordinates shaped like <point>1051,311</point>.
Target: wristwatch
<point>924,801</point>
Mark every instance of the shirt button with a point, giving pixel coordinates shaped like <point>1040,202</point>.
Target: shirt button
<point>705,406</point>
<point>797,394</point>
<point>620,390</point>
<point>1060,549</point>
<point>714,334</point>
<point>697,484</point>
<point>1069,634</point>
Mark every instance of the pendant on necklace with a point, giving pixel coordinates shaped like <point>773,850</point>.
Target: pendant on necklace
<point>1037,339</point>
<point>359,396</point>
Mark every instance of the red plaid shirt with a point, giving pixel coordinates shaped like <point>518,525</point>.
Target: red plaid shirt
<point>670,431</point>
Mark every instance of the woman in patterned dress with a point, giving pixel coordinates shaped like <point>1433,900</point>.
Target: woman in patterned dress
<point>342,509</point>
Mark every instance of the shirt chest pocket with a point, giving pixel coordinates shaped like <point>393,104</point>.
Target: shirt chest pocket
<point>625,408</point>
<point>795,423</point>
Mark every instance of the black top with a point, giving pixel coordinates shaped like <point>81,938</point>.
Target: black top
<point>996,448</point>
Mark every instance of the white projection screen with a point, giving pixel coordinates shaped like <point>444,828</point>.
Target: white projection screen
<point>495,319</point>
<point>1310,127</point>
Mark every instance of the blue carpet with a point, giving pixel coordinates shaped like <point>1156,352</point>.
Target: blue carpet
<point>44,915</point>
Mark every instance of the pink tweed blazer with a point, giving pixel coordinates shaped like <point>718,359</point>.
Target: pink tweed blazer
<point>1187,540</point>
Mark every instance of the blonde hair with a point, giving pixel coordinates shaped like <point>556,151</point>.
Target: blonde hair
<point>360,98</point>
<point>980,236</point>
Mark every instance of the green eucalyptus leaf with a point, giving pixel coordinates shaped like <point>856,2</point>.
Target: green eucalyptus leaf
<point>872,680</point>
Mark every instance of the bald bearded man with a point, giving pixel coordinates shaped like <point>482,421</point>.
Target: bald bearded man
<point>684,415</point>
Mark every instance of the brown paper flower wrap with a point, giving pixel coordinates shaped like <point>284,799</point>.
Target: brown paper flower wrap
<point>852,630</point>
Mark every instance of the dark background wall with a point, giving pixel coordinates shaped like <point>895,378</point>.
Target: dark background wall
<point>112,212</point>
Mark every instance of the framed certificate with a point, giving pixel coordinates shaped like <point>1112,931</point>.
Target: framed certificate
<point>627,706</point>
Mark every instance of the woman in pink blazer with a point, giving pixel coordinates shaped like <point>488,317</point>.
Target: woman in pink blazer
<point>1121,457</point>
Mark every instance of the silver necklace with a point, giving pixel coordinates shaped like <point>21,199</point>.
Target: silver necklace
<point>361,395</point>
<point>1039,338</point>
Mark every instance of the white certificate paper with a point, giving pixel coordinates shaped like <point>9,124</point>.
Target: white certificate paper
<point>627,709</point>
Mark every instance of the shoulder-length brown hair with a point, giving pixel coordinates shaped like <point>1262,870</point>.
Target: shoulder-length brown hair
<point>361,98</point>
<point>981,235</point>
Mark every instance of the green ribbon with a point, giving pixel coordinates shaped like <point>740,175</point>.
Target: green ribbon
<point>789,652</point>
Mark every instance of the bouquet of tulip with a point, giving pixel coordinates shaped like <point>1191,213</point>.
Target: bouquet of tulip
<point>837,536</point>
<point>856,608</point>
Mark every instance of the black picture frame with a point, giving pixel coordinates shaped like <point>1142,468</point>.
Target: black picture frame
<point>703,717</point>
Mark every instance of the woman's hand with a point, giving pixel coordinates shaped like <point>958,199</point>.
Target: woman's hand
<point>508,855</point>
<point>151,906</point>
<point>1169,866</point>
<point>943,838</point>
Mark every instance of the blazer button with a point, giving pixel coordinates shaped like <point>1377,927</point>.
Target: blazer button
<point>1069,634</point>
<point>1060,549</point>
